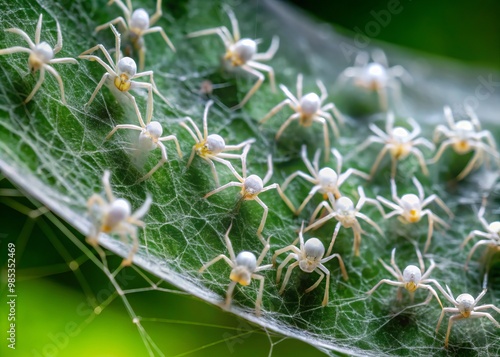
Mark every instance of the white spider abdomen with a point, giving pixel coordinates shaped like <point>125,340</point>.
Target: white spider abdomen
<point>247,259</point>
<point>400,135</point>
<point>309,104</point>
<point>411,277</point>
<point>215,144</point>
<point>463,129</point>
<point>119,211</point>
<point>245,49</point>
<point>139,20</point>
<point>44,52</point>
<point>465,304</point>
<point>253,185</point>
<point>314,249</point>
<point>410,204</point>
<point>494,227</point>
<point>127,66</point>
<point>374,75</point>
<point>327,178</point>
<point>154,129</point>
<point>344,205</point>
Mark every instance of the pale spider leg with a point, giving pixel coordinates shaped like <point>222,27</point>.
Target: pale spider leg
<point>107,186</point>
<point>421,160</point>
<point>290,96</point>
<point>162,33</point>
<point>341,265</point>
<point>370,221</point>
<point>123,126</point>
<point>307,199</point>
<point>421,265</point>
<point>262,67</point>
<point>432,291</point>
<point>141,211</point>
<point>338,115</point>
<point>298,88</point>
<point>285,199</point>
<point>262,256</point>
<point>234,22</point>
<point>23,35</point>
<point>160,163</point>
<point>394,265</point>
<point>441,129</point>
<point>489,138</point>
<point>119,20</point>
<point>396,209</point>
<point>63,60</point>
<point>37,86</point>
<point>315,162</point>
<point>197,138</point>
<point>326,137</point>
<point>334,238</point>
<point>319,207</point>
<point>443,311</point>
<point>382,97</point>
<point>285,125</point>
<point>391,270</point>
<point>174,138</point>
<point>389,123</point>
<point>394,166</point>
<point>283,250</point>
<point>250,93</point>
<point>363,199</point>
<point>258,300</point>
<point>127,10</point>
<point>111,67</point>
<point>271,51</point>
<point>444,145</point>
<point>440,202</point>
<point>330,120</point>
<point>52,71</point>
<point>229,245</point>
<point>205,121</point>
<point>263,220</point>
<point>212,169</point>
<point>240,145</point>
<point>339,160</point>
<point>92,237</point>
<point>451,320</point>
<point>301,174</point>
<point>470,165</point>
<point>269,173</point>
<point>270,187</point>
<point>227,164</point>
<point>276,109</point>
<point>287,275</point>
<point>215,260</point>
<point>229,294</point>
<point>223,187</point>
<point>473,234</point>
<point>221,31</point>
<point>489,306</point>
<point>320,222</point>
<point>385,281</point>
<point>379,158</point>
<point>370,140</point>
<point>416,130</point>
<point>473,117</point>
<point>38,29</point>
<point>15,49</point>
<point>430,218</point>
<point>424,142</point>
<point>150,88</point>
<point>357,231</point>
<point>350,171</point>
<point>316,284</point>
<point>474,247</point>
<point>156,16</point>
<point>133,250</point>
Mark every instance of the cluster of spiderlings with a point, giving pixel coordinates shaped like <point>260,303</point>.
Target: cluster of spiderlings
<point>114,215</point>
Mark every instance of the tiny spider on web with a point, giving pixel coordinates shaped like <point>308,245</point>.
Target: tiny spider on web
<point>491,234</point>
<point>211,147</point>
<point>41,56</point>
<point>376,76</point>
<point>150,138</point>
<point>114,215</point>
<point>411,278</point>
<point>308,109</point>
<point>344,211</point>
<point>136,24</point>
<point>399,142</point>
<point>244,268</point>
<point>464,308</point>
<point>122,73</point>
<point>324,180</point>
<point>308,257</point>
<point>465,136</point>
<point>251,187</point>
<point>242,53</point>
<point>411,208</point>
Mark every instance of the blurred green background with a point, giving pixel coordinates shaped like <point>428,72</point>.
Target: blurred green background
<point>55,316</point>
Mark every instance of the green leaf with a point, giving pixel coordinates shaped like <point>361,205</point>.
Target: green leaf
<point>58,155</point>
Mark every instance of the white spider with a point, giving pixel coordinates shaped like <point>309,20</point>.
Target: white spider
<point>324,180</point>
<point>411,278</point>
<point>376,76</point>
<point>344,211</point>
<point>465,307</point>
<point>309,257</point>
<point>122,73</point>
<point>211,147</point>
<point>492,235</point>
<point>149,139</point>
<point>308,109</point>
<point>244,267</point>
<point>465,136</point>
<point>136,24</point>
<point>114,216</point>
<point>399,142</point>
<point>41,56</point>
<point>251,187</point>
<point>242,53</point>
<point>411,208</point>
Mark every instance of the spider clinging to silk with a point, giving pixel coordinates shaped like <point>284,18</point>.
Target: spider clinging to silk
<point>325,179</point>
<point>309,258</point>
<point>244,268</point>
<point>41,56</point>
<point>242,53</point>
<point>411,278</point>
<point>344,211</point>
<point>465,136</point>
<point>136,24</point>
<point>465,307</point>
<point>411,208</point>
<point>150,138</point>
<point>122,73</point>
<point>308,109</point>
<point>399,142</point>
<point>114,215</point>
<point>376,76</point>
<point>212,147</point>
<point>491,234</point>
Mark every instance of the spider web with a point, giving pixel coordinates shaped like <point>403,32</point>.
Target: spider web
<point>57,154</point>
